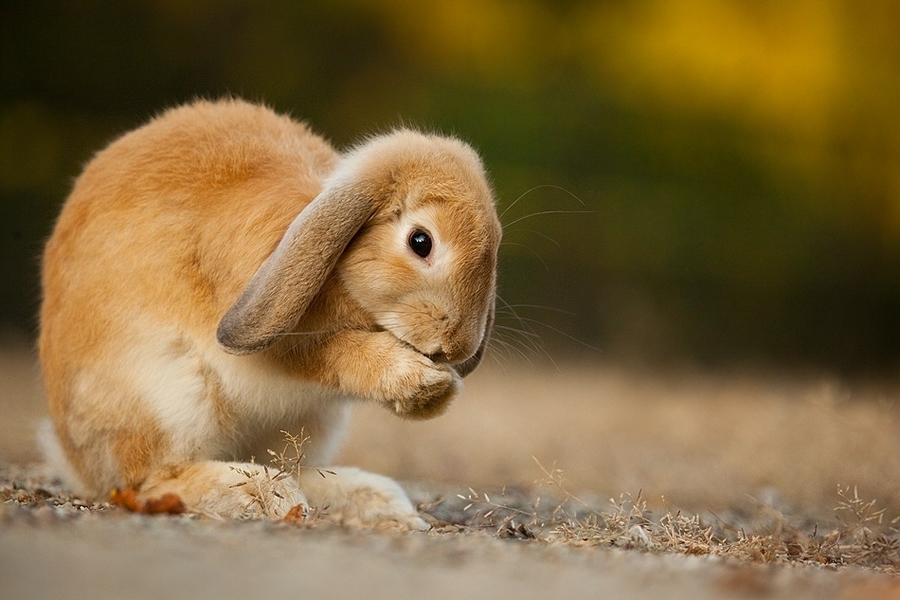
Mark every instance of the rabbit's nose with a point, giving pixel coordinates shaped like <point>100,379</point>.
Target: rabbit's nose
<point>450,353</point>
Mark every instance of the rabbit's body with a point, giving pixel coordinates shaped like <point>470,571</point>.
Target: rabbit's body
<point>194,217</point>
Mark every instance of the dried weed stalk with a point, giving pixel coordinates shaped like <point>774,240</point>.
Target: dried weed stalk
<point>860,536</point>
<point>268,487</point>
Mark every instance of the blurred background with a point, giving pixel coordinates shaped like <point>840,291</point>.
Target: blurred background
<point>702,182</point>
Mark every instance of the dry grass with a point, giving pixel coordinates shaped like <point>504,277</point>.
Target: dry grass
<point>265,486</point>
<point>858,534</point>
<point>759,468</point>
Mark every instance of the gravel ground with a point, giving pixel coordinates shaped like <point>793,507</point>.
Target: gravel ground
<point>55,546</point>
<point>739,451</point>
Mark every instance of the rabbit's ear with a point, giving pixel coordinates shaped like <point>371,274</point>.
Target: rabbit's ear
<point>291,277</point>
<point>468,365</point>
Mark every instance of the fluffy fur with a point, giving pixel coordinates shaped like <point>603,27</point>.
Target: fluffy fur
<point>221,273</point>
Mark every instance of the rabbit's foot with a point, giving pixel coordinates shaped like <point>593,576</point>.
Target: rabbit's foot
<point>350,496</point>
<point>228,490</point>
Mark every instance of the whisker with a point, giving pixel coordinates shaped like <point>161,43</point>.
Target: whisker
<point>538,187</point>
<point>542,307</point>
<point>508,335</point>
<point>504,328</point>
<point>307,333</point>
<point>512,348</point>
<point>548,212</point>
<point>562,333</point>
<point>530,336</point>
<point>534,232</point>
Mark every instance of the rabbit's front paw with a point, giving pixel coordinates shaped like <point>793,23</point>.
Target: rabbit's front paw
<point>422,388</point>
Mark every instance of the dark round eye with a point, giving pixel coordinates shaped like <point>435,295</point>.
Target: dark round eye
<point>420,242</point>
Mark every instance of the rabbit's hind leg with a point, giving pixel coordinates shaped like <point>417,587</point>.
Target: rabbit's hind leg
<point>226,489</point>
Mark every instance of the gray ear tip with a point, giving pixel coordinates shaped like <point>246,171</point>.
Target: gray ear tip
<point>228,349</point>
<point>465,368</point>
<point>224,343</point>
<point>230,341</point>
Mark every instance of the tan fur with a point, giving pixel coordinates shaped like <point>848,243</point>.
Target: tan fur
<point>193,230</point>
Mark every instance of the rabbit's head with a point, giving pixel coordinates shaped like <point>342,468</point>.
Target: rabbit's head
<point>408,224</point>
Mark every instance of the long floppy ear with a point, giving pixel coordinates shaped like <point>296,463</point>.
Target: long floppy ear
<point>289,279</point>
<point>468,365</point>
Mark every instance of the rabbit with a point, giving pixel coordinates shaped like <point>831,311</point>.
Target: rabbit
<point>221,274</point>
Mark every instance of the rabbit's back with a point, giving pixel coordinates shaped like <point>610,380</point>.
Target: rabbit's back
<point>176,216</point>
<point>159,235</point>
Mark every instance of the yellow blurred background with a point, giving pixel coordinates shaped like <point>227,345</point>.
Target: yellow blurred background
<point>688,185</point>
<point>722,175</point>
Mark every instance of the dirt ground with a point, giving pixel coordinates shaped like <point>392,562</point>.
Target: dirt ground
<point>755,459</point>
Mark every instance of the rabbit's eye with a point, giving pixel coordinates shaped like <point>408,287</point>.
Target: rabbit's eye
<point>420,242</point>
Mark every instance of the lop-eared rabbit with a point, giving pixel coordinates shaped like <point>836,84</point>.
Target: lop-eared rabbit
<point>222,274</point>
